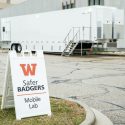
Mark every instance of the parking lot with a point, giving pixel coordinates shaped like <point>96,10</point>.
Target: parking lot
<point>98,81</point>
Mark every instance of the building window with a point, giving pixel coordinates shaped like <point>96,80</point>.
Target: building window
<point>68,5</point>
<point>63,6</point>
<point>95,2</point>
<point>72,5</point>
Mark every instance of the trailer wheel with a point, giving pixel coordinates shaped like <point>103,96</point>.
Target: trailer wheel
<point>18,48</point>
<point>13,47</point>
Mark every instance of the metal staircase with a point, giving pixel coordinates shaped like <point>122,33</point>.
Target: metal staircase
<point>71,41</point>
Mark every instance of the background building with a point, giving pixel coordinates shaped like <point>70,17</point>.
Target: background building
<point>12,1</point>
<point>30,7</point>
<point>4,5</point>
<point>81,3</point>
<point>8,3</point>
<point>34,6</point>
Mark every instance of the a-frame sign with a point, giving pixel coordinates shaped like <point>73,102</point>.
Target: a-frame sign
<point>26,85</point>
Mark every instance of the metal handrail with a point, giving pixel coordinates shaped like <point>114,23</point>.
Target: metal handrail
<point>75,35</point>
<point>67,35</point>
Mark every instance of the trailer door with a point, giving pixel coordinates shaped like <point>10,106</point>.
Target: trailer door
<point>5,31</point>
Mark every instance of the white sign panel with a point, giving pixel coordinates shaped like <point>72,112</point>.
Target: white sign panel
<point>30,87</point>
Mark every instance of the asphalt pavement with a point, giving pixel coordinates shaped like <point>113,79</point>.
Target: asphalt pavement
<point>98,81</point>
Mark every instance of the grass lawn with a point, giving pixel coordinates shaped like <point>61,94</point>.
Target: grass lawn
<point>63,113</point>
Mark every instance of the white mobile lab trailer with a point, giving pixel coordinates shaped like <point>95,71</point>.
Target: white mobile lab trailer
<point>64,31</point>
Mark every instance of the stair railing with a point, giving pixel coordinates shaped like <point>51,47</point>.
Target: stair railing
<point>75,37</point>
<point>70,36</point>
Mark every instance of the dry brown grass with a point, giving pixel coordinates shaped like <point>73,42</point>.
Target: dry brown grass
<point>63,113</point>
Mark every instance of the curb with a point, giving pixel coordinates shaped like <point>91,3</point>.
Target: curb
<point>90,116</point>
<point>93,117</point>
<point>111,54</point>
<point>101,119</point>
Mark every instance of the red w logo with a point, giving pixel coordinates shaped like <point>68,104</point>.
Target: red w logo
<point>28,69</point>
